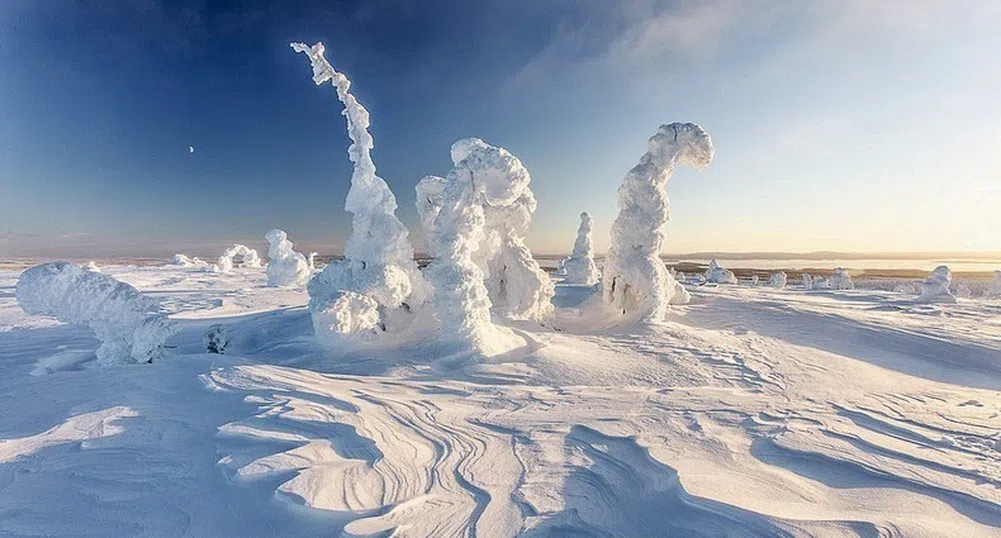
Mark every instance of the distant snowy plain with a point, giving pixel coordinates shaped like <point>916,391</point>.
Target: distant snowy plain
<point>750,412</point>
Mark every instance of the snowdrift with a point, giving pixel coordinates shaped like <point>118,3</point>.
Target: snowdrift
<point>128,324</point>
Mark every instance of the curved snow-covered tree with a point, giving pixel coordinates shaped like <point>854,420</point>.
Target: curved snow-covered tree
<point>935,288</point>
<point>379,259</point>
<point>286,267</point>
<point>248,256</point>
<point>129,324</point>
<point>635,280</point>
<point>778,280</point>
<point>841,280</point>
<point>580,267</point>
<point>718,274</point>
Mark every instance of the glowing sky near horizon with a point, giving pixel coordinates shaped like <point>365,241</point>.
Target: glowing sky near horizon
<point>855,125</point>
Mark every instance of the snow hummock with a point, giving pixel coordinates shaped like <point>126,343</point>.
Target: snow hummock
<point>477,219</point>
<point>580,267</point>
<point>379,259</point>
<point>935,288</point>
<point>635,280</point>
<point>841,280</point>
<point>248,256</point>
<point>718,274</point>
<point>778,280</point>
<point>286,267</point>
<point>128,324</point>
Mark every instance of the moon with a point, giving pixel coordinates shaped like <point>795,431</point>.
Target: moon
<point>191,149</point>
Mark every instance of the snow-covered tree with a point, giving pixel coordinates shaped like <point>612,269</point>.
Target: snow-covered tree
<point>821,283</point>
<point>718,274</point>
<point>249,258</point>
<point>807,281</point>
<point>635,280</point>
<point>429,199</point>
<point>379,259</point>
<point>778,280</point>
<point>580,267</point>
<point>129,325</point>
<point>286,267</point>
<point>755,279</point>
<point>935,288</point>
<point>995,289</point>
<point>841,280</point>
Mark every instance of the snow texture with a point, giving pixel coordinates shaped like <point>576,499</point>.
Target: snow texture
<point>379,259</point>
<point>248,256</point>
<point>718,274</point>
<point>128,324</point>
<point>778,280</point>
<point>635,280</point>
<point>580,267</point>
<point>935,288</point>
<point>286,267</point>
<point>841,280</point>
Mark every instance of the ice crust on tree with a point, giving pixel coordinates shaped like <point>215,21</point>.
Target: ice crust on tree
<point>841,280</point>
<point>718,274</point>
<point>635,280</point>
<point>286,267</point>
<point>249,258</point>
<point>129,325</point>
<point>477,219</point>
<point>778,280</point>
<point>580,268</point>
<point>935,288</point>
<point>379,259</point>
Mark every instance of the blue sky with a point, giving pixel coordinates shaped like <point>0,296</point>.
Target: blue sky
<point>852,125</point>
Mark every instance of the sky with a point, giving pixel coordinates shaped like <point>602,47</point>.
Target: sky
<point>847,125</point>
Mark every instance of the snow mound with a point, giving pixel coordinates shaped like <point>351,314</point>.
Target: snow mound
<point>379,259</point>
<point>480,218</point>
<point>580,267</point>
<point>184,261</point>
<point>841,280</point>
<point>935,288</point>
<point>128,324</point>
<point>718,274</point>
<point>248,257</point>
<point>635,280</point>
<point>778,280</point>
<point>286,267</point>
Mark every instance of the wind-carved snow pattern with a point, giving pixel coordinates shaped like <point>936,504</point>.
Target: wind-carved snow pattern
<point>635,280</point>
<point>718,274</point>
<point>286,267</point>
<point>935,288</point>
<point>477,218</point>
<point>580,267</point>
<point>128,324</point>
<point>379,261</point>
<point>841,280</point>
<point>778,280</point>
<point>249,258</point>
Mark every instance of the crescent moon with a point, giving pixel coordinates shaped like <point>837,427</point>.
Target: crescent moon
<point>191,149</point>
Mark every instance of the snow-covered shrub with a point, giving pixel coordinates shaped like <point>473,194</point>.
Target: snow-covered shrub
<point>778,280</point>
<point>378,257</point>
<point>216,339</point>
<point>248,256</point>
<point>128,324</point>
<point>935,288</point>
<point>286,267</point>
<point>580,267</point>
<point>635,280</point>
<point>478,237</point>
<point>807,281</point>
<point>841,280</point>
<point>718,274</point>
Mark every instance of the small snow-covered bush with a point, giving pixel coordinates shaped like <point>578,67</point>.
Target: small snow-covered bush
<point>778,280</point>
<point>841,280</point>
<point>216,339</point>
<point>249,258</point>
<point>935,288</point>
<point>580,267</point>
<point>635,281</point>
<point>286,267</point>
<point>718,274</point>
<point>128,324</point>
